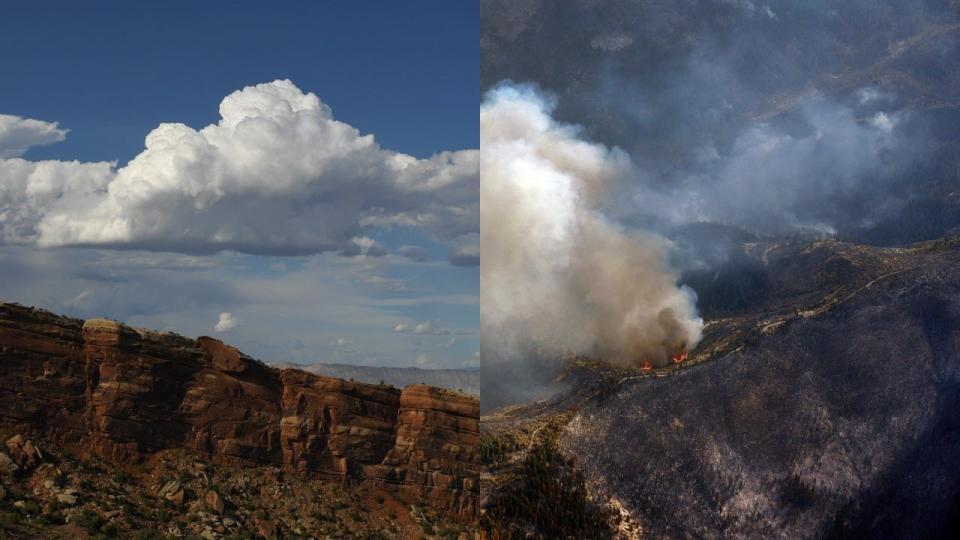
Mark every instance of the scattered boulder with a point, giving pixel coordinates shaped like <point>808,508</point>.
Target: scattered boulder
<point>172,491</point>
<point>214,502</point>
<point>168,488</point>
<point>69,499</point>
<point>7,465</point>
<point>266,528</point>
<point>24,452</point>
<point>177,497</point>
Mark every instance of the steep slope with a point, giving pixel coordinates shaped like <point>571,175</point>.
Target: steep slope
<point>101,388</point>
<point>828,408</point>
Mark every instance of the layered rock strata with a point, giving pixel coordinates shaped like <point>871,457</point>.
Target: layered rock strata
<point>103,388</point>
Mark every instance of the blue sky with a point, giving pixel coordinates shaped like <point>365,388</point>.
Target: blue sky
<point>111,71</point>
<point>320,243</point>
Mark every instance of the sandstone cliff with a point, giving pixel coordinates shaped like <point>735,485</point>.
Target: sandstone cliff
<point>99,387</point>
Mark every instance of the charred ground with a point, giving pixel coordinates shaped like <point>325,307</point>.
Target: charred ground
<point>825,408</point>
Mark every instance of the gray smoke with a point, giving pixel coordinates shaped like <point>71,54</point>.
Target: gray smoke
<point>770,116</point>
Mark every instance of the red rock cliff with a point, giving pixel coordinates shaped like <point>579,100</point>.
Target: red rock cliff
<point>122,393</point>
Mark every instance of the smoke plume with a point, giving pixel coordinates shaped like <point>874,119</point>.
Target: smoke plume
<point>557,277</point>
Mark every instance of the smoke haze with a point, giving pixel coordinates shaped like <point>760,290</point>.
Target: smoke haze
<point>712,123</point>
<point>773,117</point>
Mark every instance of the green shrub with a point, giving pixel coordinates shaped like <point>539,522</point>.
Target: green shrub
<point>52,519</point>
<point>493,448</point>
<point>148,534</point>
<point>30,508</point>
<point>123,477</point>
<point>91,521</point>
<point>323,516</point>
<point>110,530</point>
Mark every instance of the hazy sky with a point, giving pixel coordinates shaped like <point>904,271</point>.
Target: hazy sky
<point>300,182</point>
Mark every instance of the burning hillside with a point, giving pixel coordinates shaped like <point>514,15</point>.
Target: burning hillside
<point>557,275</point>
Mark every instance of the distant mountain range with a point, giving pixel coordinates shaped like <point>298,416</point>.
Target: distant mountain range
<point>463,380</point>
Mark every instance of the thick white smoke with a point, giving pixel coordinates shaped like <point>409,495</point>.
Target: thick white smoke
<point>556,276</point>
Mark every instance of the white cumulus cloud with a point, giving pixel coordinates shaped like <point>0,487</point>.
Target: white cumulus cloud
<point>32,190</point>
<point>226,322</point>
<point>278,174</point>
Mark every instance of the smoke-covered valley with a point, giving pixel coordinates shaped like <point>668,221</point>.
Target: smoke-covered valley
<point>730,122</point>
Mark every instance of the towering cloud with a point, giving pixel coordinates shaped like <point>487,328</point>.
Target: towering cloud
<point>276,174</point>
<point>556,275</point>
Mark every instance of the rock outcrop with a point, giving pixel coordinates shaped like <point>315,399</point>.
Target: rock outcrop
<point>466,381</point>
<point>100,387</point>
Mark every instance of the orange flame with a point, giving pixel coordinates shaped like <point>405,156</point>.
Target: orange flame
<point>680,357</point>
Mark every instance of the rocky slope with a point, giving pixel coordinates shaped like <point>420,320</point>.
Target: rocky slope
<point>101,389</point>
<point>827,407</point>
<point>176,494</point>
